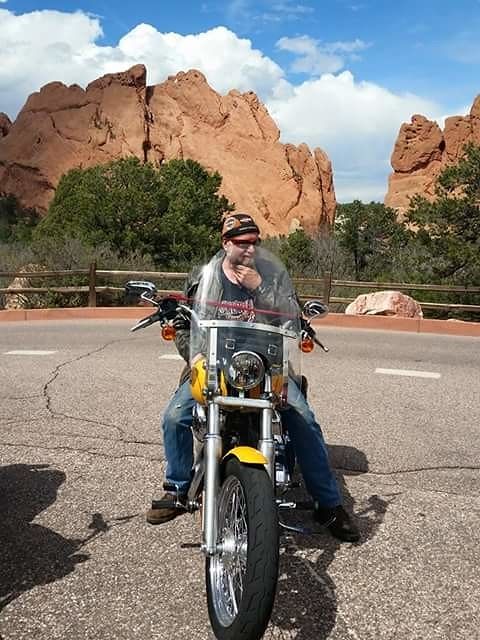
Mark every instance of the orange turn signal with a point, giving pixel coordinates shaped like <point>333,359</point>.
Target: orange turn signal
<point>306,345</point>
<point>168,332</point>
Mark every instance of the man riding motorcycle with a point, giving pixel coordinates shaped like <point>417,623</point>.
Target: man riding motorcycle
<point>242,291</point>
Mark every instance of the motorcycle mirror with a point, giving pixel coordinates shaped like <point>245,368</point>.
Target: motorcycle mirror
<point>315,308</point>
<point>140,289</point>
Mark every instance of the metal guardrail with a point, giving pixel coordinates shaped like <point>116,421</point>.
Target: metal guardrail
<point>319,287</point>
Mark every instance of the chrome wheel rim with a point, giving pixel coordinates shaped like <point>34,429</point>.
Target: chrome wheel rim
<point>228,566</point>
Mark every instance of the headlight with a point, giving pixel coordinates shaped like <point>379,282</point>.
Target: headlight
<point>245,370</point>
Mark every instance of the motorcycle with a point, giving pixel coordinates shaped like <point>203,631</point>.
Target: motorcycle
<point>241,357</point>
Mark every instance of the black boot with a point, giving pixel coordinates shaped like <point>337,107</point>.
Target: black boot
<point>338,522</point>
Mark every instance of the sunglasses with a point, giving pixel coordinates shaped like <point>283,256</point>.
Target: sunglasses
<point>245,244</point>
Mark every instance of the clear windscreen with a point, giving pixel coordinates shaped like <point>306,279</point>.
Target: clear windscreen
<point>220,295</point>
<point>264,319</point>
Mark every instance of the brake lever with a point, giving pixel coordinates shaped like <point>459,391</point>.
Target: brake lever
<point>146,298</point>
<point>310,332</point>
<point>317,341</point>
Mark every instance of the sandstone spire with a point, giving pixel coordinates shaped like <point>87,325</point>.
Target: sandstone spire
<point>423,150</point>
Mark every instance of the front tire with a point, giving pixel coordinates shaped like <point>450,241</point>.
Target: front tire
<point>242,578</point>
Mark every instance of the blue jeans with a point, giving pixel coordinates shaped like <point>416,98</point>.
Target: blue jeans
<point>303,429</point>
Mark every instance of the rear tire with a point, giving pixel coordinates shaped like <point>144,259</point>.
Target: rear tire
<point>241,580</point>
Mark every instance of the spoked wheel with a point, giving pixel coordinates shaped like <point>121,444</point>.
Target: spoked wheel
<point>242,577</point>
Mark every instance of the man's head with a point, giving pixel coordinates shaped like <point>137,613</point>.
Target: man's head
<point>240,236</point>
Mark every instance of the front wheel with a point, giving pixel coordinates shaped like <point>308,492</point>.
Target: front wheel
<point>242,577</point>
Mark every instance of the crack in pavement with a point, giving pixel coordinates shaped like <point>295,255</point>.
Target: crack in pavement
<point>54,376</point>
<point>69,434</point>
<point>415,470</point>
<point>402,489</point>
<point>363,477</point>
<point>16,421</point>
<point>38,395</point>
<point>77,450</point>
<point>65,416</point>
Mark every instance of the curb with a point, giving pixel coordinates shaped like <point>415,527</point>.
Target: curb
<point>379,323</point>
<point>412,325</point>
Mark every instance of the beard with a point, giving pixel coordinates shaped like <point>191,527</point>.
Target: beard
<point>247,261</point>
<point>241,260</point>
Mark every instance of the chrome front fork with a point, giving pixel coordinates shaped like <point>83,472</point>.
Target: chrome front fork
<point>213,455</point>
<point>266,442</point>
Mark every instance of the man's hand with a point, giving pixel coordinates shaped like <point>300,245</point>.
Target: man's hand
<point>182,320</point>
<point>247,277</point>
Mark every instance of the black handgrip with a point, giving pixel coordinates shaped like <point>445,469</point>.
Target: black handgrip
<point>146,322</point>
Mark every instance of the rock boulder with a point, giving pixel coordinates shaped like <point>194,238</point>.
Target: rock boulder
<point>385,303</point>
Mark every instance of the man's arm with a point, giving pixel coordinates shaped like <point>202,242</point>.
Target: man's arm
<point>277,293</point>
<point>182,342</point>
<point>181,322</point>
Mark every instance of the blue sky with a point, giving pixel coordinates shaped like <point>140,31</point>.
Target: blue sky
<point>339,74</point>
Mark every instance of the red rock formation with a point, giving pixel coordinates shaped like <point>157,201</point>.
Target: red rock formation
<point>5,124</point>
<point>118,115</point>
<point>422,150</point>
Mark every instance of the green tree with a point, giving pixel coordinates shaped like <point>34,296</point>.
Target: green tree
<point>172,214</point>
<point>190,224</point>
<point>369,233</point>
<point>16,222</point>
<point>296,251</point>
<point>448,229</point>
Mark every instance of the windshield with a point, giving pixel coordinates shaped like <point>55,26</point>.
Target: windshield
<point>249,306</point>
<point>222,294</point>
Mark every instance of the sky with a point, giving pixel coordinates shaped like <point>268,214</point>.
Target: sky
<point>342,75</point>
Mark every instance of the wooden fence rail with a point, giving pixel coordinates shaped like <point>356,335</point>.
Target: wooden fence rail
<point>318,287</point>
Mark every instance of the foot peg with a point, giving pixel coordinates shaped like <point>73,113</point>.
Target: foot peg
<point>297,529</point>
<point>300,505</point>
<point>180,498</point>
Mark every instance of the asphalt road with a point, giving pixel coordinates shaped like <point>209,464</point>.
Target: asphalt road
<point>81,457</point>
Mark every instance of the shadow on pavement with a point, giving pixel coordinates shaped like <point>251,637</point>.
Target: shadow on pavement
<point>306,603</point>
<point>31,554</point>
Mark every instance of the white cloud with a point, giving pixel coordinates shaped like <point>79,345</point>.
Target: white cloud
<point>355,122</point>
<point>227,60</point>
<point>310,58</point>
<point>316,58</point>
<point>460,110</point>
<point>38,47</point>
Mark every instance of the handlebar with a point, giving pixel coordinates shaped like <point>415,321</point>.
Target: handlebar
<point>166,310</point>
